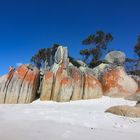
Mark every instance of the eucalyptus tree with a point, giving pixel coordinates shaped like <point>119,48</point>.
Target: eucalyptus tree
<point>97,44</point>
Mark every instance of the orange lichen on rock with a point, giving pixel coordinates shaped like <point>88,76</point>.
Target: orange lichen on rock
<point>110,79</point>
<point>22,71</point>
<point>66,81</point>
<point>48,75</point>
<point>75,74</point>
<point>92,87</point>
<point>91,81</point>
<point>116,82</point>
<point>77,82</point>
<point>47,84</point>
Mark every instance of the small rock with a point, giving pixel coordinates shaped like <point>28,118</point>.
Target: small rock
<point>124,110</point>
<point>115,57</point>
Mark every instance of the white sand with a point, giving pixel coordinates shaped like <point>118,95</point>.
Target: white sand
<point>78,120</point>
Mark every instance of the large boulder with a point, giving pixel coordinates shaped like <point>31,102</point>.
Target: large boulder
<point>77,82</point>
<point>59,55</point>
<point>4,83</point>
<point>66,89</point>
<point>69,82</point>
<point>29,86</point>
<point>60,74</point>
<point>124,110</point>
<point>117,83</point>
<point>47,84</point>
<point>92,86</point>
<point>115,57</point>
<point>19,86</point>
<point>15,85</point>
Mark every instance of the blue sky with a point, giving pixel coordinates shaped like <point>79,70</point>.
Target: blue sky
<point>27,25</point>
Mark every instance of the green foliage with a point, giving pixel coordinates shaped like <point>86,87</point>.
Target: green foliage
<point>137,47</point>
<point>97,43</point>
<point>43,55</point>
<point>135,72</point>
<point>130,64</point>
<point>74,62</point>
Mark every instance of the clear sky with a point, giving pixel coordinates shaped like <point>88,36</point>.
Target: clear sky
<point>27,25</point>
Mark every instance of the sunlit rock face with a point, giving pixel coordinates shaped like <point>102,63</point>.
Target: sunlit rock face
<point>60,74</point>
<point>77,82</point>
<point>19,86</point>
<point>92,86</point>
<point>108,79</point>
<point>61,81</point>
<point>117,82</point>
<point>66,90</point>
<point>47,90</point>
<point>69,82</point>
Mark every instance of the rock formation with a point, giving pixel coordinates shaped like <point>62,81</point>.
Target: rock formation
<point>117,83</point>
<point>47,84</point>
<point>69,82</point>
<point>19,86</point>
<point>61,81</point>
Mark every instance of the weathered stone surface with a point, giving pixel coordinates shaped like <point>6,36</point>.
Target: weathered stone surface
<point>66,89</point>
<point>14,87</point>
<point>124,110</point>
<point>65,57</point>
<point>4,83</point>
<point>47,84</point>
<point>115,57</point>
<point>81,63</point>
<point>60,74</point>
<point>19,86</point>
<point>134,97</point>
<point>62,81</point>
<point>117,83</point>
<point>77,82</point>
<point>29,86</point>
<point>101,69</point>
<point>54,68</point>
<point>59,55</point>
<point>92,87</point>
